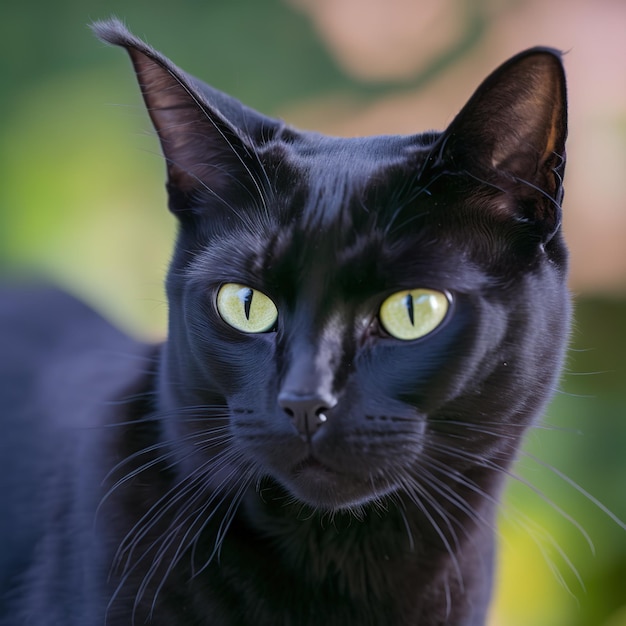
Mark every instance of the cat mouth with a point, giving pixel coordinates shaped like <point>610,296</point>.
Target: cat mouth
<point>323,486</point>
<point>312,464</point>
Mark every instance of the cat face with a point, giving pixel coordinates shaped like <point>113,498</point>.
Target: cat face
<point>360,318</point>
<point>297,330</point>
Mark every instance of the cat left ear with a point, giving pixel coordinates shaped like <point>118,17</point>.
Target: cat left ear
<point>512,133</point>
<point>206,136</point>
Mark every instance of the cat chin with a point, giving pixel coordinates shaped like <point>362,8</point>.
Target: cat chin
<point>325,489</point>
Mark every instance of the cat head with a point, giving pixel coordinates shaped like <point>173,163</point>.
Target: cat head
<point>355,315</point>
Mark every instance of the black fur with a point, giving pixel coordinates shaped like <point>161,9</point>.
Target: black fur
<point>323,472</point>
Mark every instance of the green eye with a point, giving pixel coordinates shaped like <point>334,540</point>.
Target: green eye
<point>246,309</point>
<point>413,313</point>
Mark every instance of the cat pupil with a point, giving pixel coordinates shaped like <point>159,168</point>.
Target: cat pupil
<point>245,295</point>
<point>408,302</point>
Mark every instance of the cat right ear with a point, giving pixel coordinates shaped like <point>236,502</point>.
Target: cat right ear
<point>206,137</point>
<point>511,134</point>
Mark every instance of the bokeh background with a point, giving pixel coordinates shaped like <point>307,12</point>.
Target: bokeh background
<point>82,202</point>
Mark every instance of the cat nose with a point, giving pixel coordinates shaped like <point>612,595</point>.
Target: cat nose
<point>307,412</point>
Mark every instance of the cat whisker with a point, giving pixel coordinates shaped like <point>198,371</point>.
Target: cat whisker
<point>518,478</point>
<point>217,439</point>
<point>454,452</point>
<point>178,492</point>
<point>197,517</point>
<point>519,517</point>
<point>170,498</point>
<point>566,516</point>
<point>401,508</point>
<point>450,495</point>
<point>244,485</point>
<point>545,498</point>
<point>196,413</point>
<point>572,483</point>
<point>539,536</point>
<point>460,479</point>
<point>420,497</point>
<point>126,400</point>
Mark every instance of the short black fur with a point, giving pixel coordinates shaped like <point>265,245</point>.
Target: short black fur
<point>322,471</point>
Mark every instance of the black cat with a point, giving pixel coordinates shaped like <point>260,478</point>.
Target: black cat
<point>360,332</point>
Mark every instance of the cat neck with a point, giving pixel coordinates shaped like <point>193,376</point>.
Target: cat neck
<point>377,558</point>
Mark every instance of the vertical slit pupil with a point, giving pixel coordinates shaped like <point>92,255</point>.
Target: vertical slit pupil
<point>247,302</point>
<point>408,302</point>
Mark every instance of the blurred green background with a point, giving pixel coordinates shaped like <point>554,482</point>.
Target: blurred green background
<point>82,202</point>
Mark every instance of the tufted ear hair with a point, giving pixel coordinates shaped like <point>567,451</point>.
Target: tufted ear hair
<point>207,137</point>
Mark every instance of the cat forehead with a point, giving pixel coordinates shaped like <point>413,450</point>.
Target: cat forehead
<point>343,255</point>
<point>330,182</point>
<point>331,200</point>
<point>336,207</point>
<point>356,158</point>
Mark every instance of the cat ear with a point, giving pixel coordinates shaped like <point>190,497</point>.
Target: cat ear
<point>206,136</point>
<point>512,133</point>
